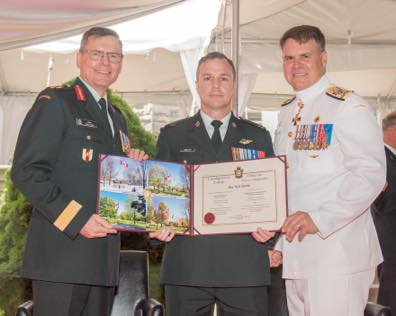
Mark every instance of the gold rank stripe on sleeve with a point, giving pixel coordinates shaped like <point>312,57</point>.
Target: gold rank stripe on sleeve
<point>67,215</point>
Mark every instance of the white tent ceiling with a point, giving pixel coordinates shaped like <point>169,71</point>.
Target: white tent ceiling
<point>24,22</point>
<point>361,37</point>
<point>361,42</point>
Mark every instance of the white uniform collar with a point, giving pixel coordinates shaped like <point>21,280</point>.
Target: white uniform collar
<point>314,90</point>
<point>207,120</point>
<point>96,95</point>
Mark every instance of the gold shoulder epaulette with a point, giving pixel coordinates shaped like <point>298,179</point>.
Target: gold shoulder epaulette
<point>288,101</point>
<point>338,93</point>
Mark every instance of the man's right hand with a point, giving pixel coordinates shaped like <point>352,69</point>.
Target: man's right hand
<point>164,234</point>
<point>97,227</point>
<point>275,258</point>
<point>137,154</point>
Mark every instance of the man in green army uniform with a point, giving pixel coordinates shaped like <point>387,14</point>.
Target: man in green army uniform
<point>229,270</point>
<point>72,253</point>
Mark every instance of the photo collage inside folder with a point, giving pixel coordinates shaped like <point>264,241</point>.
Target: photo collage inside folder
<point>144,195</point>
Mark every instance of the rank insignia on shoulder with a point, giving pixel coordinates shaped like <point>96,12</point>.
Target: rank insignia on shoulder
<point>338,93</point>
<point>245,141</point>
<point>44,96</point>
<point>87,154</point>
<point>288,101</point>
<point>359,106</point>
<point>58,86</point>
<point>80,95</point>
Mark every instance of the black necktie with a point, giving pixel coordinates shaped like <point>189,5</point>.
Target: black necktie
<point>103,111</point>
<point>216,138</point>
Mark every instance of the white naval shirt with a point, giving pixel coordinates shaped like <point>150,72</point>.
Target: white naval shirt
<point>335,185</point>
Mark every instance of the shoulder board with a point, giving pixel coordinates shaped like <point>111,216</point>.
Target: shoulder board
<point>338,93</point>
<point>251,123</point>
<point>175,123</point>
<point>60,86</point>
<point>44,96</point>
<point>288,101</point>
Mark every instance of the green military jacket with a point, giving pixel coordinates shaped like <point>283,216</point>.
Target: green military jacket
<point>56,167</point>
<point>222,260</point>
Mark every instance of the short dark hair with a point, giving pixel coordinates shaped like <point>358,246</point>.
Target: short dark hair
<point>304,33</point>
<point>217,55</point>
<point>98,32</point>
<point>389,121</point>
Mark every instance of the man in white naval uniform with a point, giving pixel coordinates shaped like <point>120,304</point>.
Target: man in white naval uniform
<point>336,169</point>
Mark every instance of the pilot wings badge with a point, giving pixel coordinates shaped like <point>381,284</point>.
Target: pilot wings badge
<point>245,141</point>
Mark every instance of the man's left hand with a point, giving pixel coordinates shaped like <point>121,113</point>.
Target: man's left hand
<point>299,222</point>
<point>262,235</point>
<point>137,154</point>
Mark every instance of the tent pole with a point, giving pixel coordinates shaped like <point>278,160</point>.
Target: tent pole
<point>3,84</point>
<point>235,49</point>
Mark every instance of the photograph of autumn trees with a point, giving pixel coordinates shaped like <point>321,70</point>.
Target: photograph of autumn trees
<point>144,195</point>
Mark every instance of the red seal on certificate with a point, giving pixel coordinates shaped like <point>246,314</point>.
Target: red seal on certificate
<point>209,218</point>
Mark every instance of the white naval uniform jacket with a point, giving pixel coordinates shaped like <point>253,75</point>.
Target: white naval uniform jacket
<point>335,186</point>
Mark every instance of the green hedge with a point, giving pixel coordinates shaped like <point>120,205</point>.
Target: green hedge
<point>15,214</point>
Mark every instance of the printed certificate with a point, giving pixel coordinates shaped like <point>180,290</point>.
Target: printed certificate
<point>217,198</point>
<point>237,197</point>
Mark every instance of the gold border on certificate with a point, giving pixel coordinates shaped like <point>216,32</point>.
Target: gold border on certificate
<point>239,196</point>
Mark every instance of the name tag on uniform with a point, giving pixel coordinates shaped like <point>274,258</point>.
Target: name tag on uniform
<point>188,150</point>
<point>86,123</point>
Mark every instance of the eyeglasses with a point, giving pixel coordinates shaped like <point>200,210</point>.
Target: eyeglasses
<point>96,55</point>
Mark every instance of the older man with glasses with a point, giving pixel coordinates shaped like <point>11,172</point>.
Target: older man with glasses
<point>72,253</point>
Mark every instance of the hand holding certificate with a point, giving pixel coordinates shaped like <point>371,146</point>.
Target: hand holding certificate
<point>218,198</point>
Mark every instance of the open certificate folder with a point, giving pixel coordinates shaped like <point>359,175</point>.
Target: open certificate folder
<point>217,198</point>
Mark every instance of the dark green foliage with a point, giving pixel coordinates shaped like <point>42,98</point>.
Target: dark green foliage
<point>14,218</point>
<point>139,137</point>
<point>12,293</point>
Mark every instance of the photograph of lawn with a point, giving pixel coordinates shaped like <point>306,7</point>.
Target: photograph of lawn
<point>144,195</point>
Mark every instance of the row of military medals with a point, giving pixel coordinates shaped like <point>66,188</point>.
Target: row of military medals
<point>310,136</point>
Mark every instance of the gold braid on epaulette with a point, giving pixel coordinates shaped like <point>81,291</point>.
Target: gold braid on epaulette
<point>338,93</point>
<point>288,101</point>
